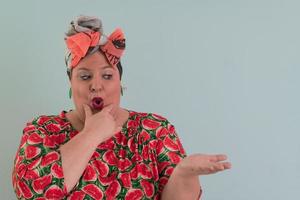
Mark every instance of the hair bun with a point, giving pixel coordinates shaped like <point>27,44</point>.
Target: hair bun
<point>85,24</point>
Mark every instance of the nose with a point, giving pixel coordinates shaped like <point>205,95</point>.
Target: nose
<point>96,85</point>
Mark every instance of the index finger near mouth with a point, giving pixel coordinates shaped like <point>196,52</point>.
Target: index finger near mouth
<point>87,110</point>
<point>108,108</point>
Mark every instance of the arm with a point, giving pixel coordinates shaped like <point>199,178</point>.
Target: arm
<point>37,169</point>
<point>43,169</point>
<point>179,187</point>
<point>178,173</point>
<point>75,156</point>
<point>172,183</point>
<point>184,184</point>
<point>78,151</point>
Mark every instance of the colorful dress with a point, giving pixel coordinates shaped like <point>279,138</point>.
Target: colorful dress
<point>135,163</point>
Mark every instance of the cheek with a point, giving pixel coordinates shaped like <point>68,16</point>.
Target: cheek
<point>75,91</point>
<point>79,94</point>
<point>114,93</point>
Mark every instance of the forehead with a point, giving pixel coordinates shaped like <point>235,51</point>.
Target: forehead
<point>93,62</point>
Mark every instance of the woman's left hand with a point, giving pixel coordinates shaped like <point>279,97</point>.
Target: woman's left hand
<point>201,164</point>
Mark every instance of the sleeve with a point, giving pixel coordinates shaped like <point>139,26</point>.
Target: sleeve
<point>37,172</point>
<point>169,153</point>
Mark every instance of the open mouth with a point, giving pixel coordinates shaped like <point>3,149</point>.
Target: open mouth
<point>97,103</point>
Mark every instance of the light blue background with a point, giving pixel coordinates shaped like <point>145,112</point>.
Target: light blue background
<point>226,73</point>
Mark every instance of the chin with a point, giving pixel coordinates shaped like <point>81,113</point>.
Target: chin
<point>95,111</point>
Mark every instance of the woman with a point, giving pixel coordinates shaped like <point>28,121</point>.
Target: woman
<point>100,150</point>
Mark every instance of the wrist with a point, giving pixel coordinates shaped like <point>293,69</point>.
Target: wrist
<point>181,186</point>
<point>181,173</point>
<point>91,137</point>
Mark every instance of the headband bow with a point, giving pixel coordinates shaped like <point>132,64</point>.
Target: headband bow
<point>112,48</point>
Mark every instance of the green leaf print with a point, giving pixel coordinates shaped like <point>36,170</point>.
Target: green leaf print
<point>163,157</point>
<point>122,193</point>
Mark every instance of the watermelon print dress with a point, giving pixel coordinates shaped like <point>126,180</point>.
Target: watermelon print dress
<point>134,164</point>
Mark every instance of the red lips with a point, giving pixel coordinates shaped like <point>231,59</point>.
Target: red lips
<point>97,103</point>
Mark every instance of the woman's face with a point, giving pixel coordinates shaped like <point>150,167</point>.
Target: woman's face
<point>95,77</point>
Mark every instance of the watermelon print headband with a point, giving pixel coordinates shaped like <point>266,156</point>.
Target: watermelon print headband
<point>113,46</point>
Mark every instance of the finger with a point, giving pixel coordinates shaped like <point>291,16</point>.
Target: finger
<point>113,111</point>
<point>87,111</point>
<point>227,165</point>
<point>217,158</point>
<point>214,168</point>
<point>108,109</point>
<point>118,129</point>
<point>222,166</point>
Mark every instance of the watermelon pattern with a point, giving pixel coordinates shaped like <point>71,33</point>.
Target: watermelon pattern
<point>134,164</point>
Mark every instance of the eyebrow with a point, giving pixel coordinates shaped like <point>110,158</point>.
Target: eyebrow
<point>104,67</point>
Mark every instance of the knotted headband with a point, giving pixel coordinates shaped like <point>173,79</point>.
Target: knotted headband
<point>112,46</point>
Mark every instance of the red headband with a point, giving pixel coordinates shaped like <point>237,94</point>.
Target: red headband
<point>79,44</point>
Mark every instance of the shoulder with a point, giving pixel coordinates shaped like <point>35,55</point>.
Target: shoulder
<point>158,132</point>
<point>49,123</point>
<point>146,115</point>
<point>151,122</point>
<point>147,118</point>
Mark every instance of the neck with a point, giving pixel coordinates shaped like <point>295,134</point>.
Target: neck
<point>76,121</point>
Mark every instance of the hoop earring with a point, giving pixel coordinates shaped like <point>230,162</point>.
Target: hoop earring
<point>70,93</point>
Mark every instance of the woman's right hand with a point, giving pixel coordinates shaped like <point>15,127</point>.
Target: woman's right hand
<point>101,125</point>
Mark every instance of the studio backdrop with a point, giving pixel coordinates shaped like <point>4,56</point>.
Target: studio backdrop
<point>225,73</point>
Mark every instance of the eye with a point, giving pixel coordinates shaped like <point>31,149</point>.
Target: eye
<point>85,77</point>
<point>107,76</point>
